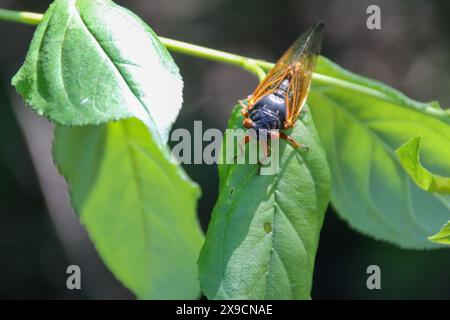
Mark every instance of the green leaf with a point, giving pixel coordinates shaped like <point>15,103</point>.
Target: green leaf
<point>361,123</point>
<point>92,61</point>
<point>264,231</point>
<point>442,236</point>
<point>139,209</point>
<point>408,155</point>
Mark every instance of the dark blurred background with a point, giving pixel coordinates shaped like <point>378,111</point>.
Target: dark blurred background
<point>40,237</point>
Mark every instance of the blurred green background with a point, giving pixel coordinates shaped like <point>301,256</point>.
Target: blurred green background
<point>40,237</point>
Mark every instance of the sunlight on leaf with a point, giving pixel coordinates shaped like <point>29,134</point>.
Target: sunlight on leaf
<point>92,61</point>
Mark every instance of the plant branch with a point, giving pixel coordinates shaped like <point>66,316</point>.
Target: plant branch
<point>248,64</point>
<point>257,67</point>
<point>21,16</point>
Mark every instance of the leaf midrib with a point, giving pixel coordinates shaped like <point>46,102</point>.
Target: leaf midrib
<point>150,123</point>
<point>140,196</point>
<point>275,207</point>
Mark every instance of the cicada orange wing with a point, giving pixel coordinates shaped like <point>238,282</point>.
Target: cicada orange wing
<point>302,63</point>
<point>296,64</point>
<point>273,79</point>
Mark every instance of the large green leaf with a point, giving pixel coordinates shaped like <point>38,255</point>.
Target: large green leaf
<point>139,209</point>
<point>92,61</point>
<point>408,154</point>
<point>264,231</point>
<point>361,123</point>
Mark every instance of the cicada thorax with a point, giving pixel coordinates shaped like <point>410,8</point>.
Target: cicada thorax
<point>269,112</point>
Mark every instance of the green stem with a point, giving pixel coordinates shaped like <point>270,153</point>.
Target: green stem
<point>257,67</point>
<point>21,17</point>
<point>248,64</point>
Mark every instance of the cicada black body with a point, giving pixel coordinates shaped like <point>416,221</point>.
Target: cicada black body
<point>277,102</point>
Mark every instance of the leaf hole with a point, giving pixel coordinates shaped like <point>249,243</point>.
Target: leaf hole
<point>268,227</point>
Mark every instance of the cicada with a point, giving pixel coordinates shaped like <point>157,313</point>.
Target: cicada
<point>277,102</point>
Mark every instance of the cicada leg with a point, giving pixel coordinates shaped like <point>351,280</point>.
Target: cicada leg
<point>266,150</point>
<point>247,139</point>
<point>288,125</point>
<point>244,110</point>
<point>266,153</point>
<point>248,123</point>
<point>289,139</point>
